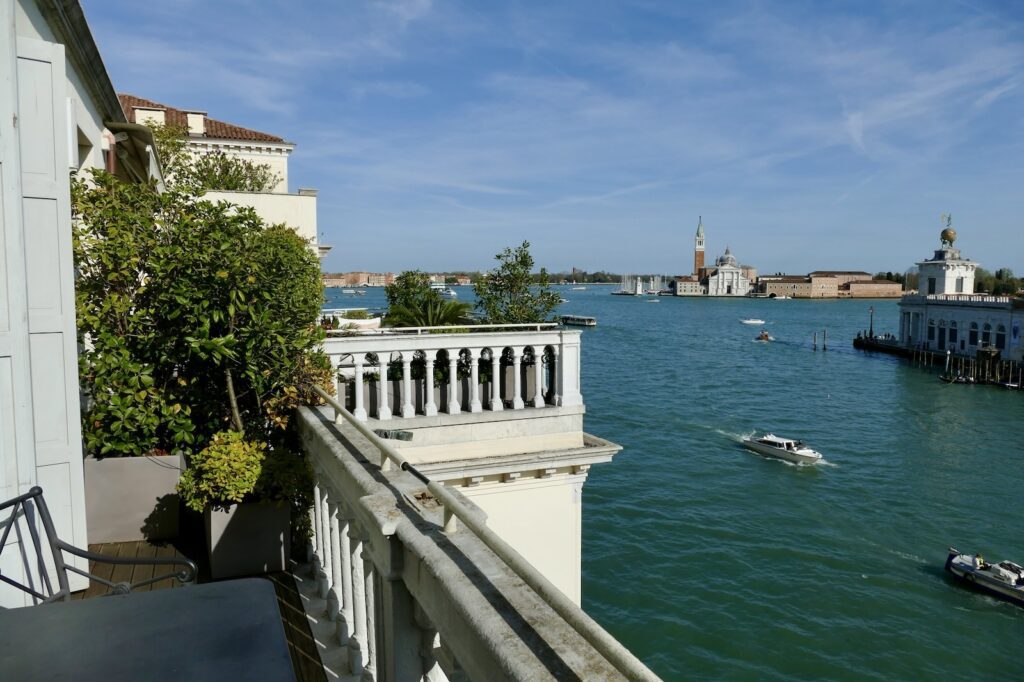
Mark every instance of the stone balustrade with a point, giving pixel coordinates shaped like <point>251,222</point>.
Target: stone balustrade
<point>415,595</point>
<point>405,374</point>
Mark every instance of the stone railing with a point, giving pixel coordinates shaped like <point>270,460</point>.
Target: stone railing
<point>420,588</point>
<point>973,299</point>
<point>410,372</point>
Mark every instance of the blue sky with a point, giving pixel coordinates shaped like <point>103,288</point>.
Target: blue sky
<point>808,135</point>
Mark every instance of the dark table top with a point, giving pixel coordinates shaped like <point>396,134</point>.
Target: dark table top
<point>218,631</point>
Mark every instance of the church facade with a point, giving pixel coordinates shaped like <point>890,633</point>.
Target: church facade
<point>725,278</point>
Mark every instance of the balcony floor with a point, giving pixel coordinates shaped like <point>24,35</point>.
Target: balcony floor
<point>301,646</point>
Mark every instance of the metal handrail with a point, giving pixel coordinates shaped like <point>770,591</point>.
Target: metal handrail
<point>619,656</point>
<point>530,326</point>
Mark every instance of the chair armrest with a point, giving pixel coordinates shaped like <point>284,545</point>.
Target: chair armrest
<point>187,573</point>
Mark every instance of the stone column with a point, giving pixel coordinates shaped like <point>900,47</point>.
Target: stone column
<point>429,641</point>
<point>453,382</point>
<point>538,377</point>
<point>356,643</point>
<point>360,411</point>
<point>383,409</point>
<point>517,381</point>
<point>408,409</point>
<point>429,406</point>
<point>496,404</point>
<point>474,380</point>
<point>370,661</point>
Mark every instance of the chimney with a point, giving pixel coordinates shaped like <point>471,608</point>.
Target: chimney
<point>196,123</point>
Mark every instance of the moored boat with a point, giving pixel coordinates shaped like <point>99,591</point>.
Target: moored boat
<point>1004,579</point>
<point>794,451</point>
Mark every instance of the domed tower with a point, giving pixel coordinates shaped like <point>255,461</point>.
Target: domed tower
<point>698,247</point>
<point>946,272</point>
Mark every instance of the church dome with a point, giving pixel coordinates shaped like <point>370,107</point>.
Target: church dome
<point>726,259</point>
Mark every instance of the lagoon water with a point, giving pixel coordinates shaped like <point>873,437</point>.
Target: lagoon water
<point>708,561</point>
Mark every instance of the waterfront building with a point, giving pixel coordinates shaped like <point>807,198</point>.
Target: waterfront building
<point>207,135</point>
<point>828,284</point>
<point>945,314</point>
<point>727,278</point>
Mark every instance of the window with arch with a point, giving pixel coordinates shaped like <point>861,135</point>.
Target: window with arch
<point>972,335</point>
<point>952,331</point>
<point>986,335</point>
<point>931,330</point>
<point>1001,337</point>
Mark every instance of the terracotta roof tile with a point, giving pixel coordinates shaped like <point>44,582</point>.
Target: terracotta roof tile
<point>214,129</point>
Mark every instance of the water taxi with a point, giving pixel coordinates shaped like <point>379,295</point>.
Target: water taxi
<point>770,445</point>
<point>1004,579</point>
<point>578,321</point>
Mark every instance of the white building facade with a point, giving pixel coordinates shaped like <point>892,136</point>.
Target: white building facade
<point>947,316</point>
<point>207,135</point>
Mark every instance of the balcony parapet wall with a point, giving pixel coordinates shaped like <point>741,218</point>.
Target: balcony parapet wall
<point>413,595</point>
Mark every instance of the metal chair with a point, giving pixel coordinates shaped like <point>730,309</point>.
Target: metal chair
<point>32,508</point>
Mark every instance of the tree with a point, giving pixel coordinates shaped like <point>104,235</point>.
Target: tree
<point>433,314</point>
<point>198,172</point>
<point>411,289</point>
<point>504,294</point>
<point>197,316</point>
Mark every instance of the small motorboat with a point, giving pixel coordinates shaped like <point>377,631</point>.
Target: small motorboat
<point>956,379</point>
<point>794,451</point>
<point>764,336</point>
<point>752,320</point>
<point>1005,579</point>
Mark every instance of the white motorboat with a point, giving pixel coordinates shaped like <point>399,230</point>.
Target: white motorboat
<point>770,445</point>
<point>1005,579</point>
<point>752,320</point>
<point>444,290</point>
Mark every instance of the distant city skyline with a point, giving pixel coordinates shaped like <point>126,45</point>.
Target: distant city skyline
<point>438,133</point>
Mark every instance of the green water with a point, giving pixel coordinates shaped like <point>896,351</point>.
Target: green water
<point>709,561</point>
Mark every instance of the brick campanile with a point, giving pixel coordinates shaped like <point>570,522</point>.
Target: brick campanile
<point>698,247</point>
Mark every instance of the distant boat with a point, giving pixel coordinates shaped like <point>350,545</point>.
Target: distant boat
<point>444,290</point>
<point>783,297</point>
<point>631,286</point>
<point>764,336</point>
<point>1004,579</point>
<point>349,291</point>
<point>579,288</point>
<point>653,300</point>
<point>751,320</point>
<point>579,321</point>
<point>563,300</point>
<point>794,451</point>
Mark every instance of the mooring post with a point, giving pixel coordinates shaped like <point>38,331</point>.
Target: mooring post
<point>824,339</point>
<point>815,340</point>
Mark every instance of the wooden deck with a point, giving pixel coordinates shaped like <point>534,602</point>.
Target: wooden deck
<point>301,646</point>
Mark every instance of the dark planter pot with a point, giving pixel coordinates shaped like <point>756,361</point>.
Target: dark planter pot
<point>248,539</point>
<point>132,498</point>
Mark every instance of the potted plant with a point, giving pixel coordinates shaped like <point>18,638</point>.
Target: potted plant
<point>244,491</point>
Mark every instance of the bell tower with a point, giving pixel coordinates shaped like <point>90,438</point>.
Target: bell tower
<point>698,247</point>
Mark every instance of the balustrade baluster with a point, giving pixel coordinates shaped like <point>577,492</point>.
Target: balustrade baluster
<point>324,579</point>
<point>358,638</point>
<point>538,377</point>
<point>496,404</point>
<point>408,409</point>
<point>317,535</point>
<point>360,411</point>
<point>474,380</point>
<point>383,408</point>
<point>429,406</point>
<point>332,516</point>
<point>453,382</point>
<point>517,398</point>
<point>346,615</point>
<point>369,592</point>
<point>556,378</point>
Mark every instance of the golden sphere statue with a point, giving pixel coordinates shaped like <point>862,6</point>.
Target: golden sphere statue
<point>948,236</point>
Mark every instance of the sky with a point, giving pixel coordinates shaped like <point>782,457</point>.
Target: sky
<point>806,135</point>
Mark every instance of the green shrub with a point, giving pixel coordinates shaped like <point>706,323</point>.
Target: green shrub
<point>223,473</point>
